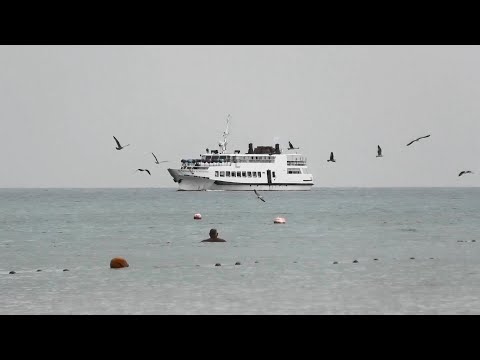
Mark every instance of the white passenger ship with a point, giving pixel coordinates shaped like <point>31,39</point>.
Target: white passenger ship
<point>262,168</point>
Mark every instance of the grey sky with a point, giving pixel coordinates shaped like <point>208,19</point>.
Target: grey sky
<point>61,105</point>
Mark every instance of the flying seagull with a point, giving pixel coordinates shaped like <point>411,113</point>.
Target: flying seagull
<point>258,195</point>
<point>156,160</point>
<point>379,151</point>
<point>145,170</point>
<point>331,158</point>
<point>465,172</point>
<point>119,147</point>
<point>422,137</point>
<point>290,146</point>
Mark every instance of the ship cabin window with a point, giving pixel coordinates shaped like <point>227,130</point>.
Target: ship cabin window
<point>273,174</point>
<point>233,173</point>
<point>249,174</point>
<point>254,174</point>
<point>239,174</point>
<point>244,174</point>
<point>215,158</point>
<point>228,173</point>
<point>216,173</point>
<point>259,174</point>
<point>293,171</point>
<point>222,173</point>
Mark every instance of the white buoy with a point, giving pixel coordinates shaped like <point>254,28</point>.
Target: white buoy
<point>279,220</point>
<point>197,216</point>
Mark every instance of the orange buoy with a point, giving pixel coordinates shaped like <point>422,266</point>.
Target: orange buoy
<point>197,216</point>
<point>118,263</point>
<point>279,220</point>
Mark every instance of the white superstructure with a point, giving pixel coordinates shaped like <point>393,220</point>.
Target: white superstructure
<point>262,168</point>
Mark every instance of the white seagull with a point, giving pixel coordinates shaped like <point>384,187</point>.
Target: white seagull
<point>119,147</point>
<point>156,160</point>
<point>258,195</point>
<point>379,151</point>
<point>148,171</point>
<point>422,137</point>
<point>331,158</point>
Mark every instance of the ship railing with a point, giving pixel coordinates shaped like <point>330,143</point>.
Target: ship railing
<point>255,161</point>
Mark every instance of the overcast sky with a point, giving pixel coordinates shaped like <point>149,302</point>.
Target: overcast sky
<point>60,107</point>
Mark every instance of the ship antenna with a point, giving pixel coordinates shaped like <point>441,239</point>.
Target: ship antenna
<point>223,144</point>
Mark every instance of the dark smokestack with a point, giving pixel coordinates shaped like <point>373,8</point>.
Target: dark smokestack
<point>250,148</point>
<point>277,148</point>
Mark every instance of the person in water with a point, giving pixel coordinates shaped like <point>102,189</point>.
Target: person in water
<point>213,237</point>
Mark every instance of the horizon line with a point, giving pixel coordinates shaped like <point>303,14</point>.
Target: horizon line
<point>314,187</point>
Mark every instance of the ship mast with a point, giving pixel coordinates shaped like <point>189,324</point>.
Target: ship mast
<point>223,144</point>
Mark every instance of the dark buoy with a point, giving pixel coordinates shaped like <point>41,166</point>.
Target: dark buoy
<point>218,264</point>
<point>335,262</point>
<point>256,261</point>
<point>12,272</point>
<point>355,261</point>
<point>66,270</point>
<point>375,259</point>
<point>412,258</point>
<point>238,263</point>
<point>474,240</point>
<point>39,270</point>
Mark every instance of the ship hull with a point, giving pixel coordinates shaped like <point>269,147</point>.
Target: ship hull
<point>189,182</point>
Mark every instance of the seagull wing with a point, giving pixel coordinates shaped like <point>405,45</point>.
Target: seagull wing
<point>155,157</point>
<point>422,137</point>
<point>290,144</point>
<point>148,172</point>
<point>379,150</point>
<point>331,156</point>
<point>118,143</point>
<point>260,197</point>
<point>461,173</point>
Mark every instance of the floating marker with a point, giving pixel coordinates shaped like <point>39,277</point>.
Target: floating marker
<point>118,263</point>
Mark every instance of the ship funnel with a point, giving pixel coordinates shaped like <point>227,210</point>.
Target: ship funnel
<point>250,148</point>
<point>277,148</point>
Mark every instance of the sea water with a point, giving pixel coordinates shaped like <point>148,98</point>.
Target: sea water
<point>426,242</point>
